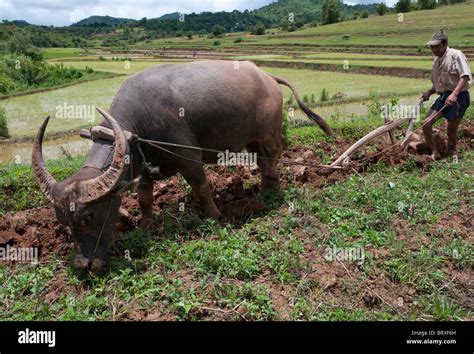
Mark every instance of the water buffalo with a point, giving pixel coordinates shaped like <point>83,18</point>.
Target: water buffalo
<point>220,105</point>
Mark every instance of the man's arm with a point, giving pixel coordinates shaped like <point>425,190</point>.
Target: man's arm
<point>453,97</point>
<point>426,95</point>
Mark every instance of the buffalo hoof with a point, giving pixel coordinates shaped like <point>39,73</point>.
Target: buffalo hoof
<point>147,224</point>
<point>435,156</point>
<point>213,214</point>
<point>80,262</point>
<point>97,265</point>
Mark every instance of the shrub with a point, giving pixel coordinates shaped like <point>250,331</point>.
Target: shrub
<point>3,124</point>
<point>338,96</point>
<point>217,30</point>
<point>6,83</point>
<point>20,73</point>
<point>258,29</point>
<point>382,9</point>
<point>324,95</point>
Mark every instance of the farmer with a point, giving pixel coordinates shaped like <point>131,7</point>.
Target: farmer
<point>451,77</point>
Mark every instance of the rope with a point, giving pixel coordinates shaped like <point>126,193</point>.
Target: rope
<point>101,230</point>
<point>157,144</point>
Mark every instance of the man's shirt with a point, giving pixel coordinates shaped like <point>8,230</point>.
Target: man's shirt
<point>448,70</point>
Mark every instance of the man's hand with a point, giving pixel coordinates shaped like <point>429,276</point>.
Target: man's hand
<point>452,99</point>
<point>426,95</point>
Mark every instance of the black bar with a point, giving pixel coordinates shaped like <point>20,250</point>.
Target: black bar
<point>292,337</point>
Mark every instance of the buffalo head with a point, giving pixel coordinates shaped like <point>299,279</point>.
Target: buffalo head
<point>88,201</point>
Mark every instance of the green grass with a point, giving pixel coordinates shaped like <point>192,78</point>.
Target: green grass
<point>354,86</point>
<point>361,62</point>
<point>19,188</point>
<point>55,53</point>
<point>26,113</point>
<point>416,64</point>
<point>119,67</point>
<point>86,77</point>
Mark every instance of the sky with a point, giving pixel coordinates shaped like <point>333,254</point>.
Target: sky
<point>66,12</point>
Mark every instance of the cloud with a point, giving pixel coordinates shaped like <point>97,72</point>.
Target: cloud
<point>64,13</point>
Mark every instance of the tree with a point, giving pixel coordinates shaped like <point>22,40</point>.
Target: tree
<point>331,11</point>
<point>217,30</point>
<point>258,29</point>
<point>324,95</point>
<point>20,43</point>
<point>427,4</point>
<point>382,9</point>
<point>402,6</point>
<point>3,124</point>
<point>365,14</point>
<point>290,26</point>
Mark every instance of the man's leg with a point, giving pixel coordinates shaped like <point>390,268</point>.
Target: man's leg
<point>428,133</point>
<point>453,125</point>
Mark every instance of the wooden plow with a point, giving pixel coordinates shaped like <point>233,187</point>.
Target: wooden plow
<point>387,128</point>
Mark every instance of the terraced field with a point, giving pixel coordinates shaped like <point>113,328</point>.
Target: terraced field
<point>413,30</point>
<point>25,113</point>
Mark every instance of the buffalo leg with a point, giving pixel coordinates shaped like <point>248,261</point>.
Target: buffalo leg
<point>145,200</point>
<point>267,162</point>
<point>195,176</point>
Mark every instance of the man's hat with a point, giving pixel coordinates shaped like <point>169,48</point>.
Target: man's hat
<point>437,38</point>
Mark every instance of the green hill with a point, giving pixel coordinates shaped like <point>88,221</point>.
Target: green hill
<point>304,11</point>
<point>102,21</point>
<point>413,29</point>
